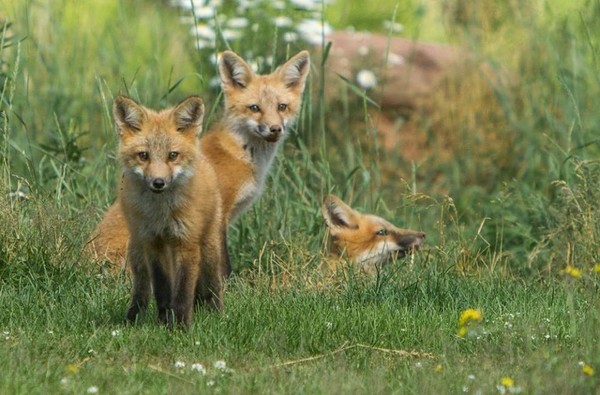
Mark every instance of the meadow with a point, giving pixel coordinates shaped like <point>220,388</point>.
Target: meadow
<point>503,298</point>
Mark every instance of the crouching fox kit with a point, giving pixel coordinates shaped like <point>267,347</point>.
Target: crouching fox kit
<point>171,210</point>
<point>259,110</point>
<point>365,239</point>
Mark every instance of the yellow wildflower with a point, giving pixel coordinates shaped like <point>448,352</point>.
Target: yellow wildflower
<point>507,382</point>
<point>573,271</point>
<point>587,370</point>
<point>596,268</point>
<point>439,368</point>
<point>462,331</point>
<point>72,368</point>
<point>469,315</point>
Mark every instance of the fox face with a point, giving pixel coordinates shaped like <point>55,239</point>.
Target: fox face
<point>366,239</point>
<point>158,150</point>
<point>262,106</point>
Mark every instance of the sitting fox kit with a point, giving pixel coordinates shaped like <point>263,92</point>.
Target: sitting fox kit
<point>365,239</point>
<point>259,110</point>
<point>171,210</point>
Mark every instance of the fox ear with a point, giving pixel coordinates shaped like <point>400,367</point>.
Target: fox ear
<point>337,214</point>
<point>189,114</point>
<point>295,70</point>
<point>128,114</point>
<point>234,71</point>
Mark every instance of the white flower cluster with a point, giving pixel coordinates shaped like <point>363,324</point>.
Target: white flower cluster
<point>294,19</point>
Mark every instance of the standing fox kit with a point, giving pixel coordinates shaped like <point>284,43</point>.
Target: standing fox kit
<point>171,210</point>
<point>259,110</point>
<point>365,239</point>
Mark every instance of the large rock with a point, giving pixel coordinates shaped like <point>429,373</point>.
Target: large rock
<point>427,92</point>
<point>407,71</point>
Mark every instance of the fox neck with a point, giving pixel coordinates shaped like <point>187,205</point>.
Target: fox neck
<point>260,152</point>
<point>159,212</point>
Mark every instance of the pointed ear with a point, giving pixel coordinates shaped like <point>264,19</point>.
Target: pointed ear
<point>189,114</point>
<point>234,71</point>
<point>294,71</point>
<point>337,214</point>
<point>128,115</point>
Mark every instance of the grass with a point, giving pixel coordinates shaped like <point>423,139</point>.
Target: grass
<point>506,189</point>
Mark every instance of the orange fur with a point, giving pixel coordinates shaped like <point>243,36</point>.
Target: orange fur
<point>171,210</point>
<point>365,239</point>
<point>259,109</point>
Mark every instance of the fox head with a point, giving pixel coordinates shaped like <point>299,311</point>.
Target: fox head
<point>263,105</point>
<point>158,149</point>
<point>363,238</point>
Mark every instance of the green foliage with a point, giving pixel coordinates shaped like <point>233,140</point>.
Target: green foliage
<point>508,197</point>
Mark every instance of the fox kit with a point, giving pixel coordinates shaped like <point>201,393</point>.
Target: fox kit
<point>364,239</point>
<point>259,110</point>
<point>170,208</point>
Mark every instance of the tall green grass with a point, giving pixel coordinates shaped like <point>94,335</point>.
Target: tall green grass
<point>508,196</point>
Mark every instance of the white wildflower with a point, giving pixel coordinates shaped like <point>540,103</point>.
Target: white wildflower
<point>210,383</point>
<point>237,23</point>
<point>366,79</point>
<point>282,21</point>
<point>230,34</point>
<point>306,4</point>
<point>214,82</point>
<point>115,333</point>
<point>179,364</point>
<point>311,31</point>
<point>202,43</point>
<point>290,37</point>
<point>198,367</point>
<point>278,5</point>
<point>395,27</point>
<point>204,12</point>
<point>221,365</point>
<point>395,59</point>
<point>471,377</point>
<point>92,390</point>
<point>204,31</point>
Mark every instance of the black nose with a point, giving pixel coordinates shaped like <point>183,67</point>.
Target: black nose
<point>158,184</point>
<point>275,129</point>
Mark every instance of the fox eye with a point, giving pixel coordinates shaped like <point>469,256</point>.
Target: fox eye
<point>282,106</point>
<point>254,108</point>
<point>381,232</point>
<point>143,155</point>
<point>173,155</point>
